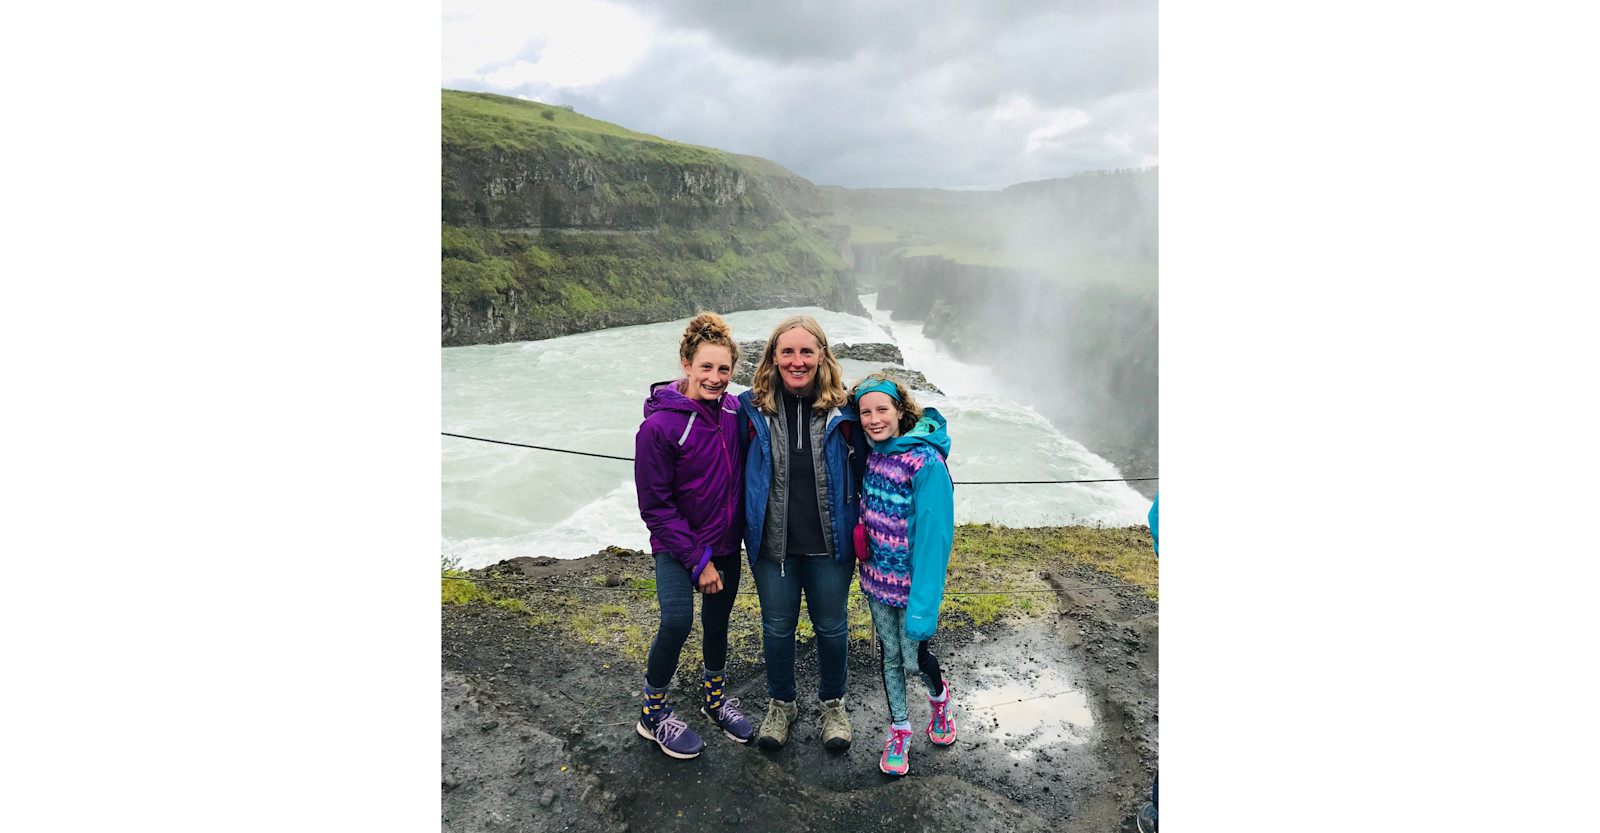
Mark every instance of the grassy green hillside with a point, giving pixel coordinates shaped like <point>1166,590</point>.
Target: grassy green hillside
<point>551,216</point>
<point>589,272</point>
<point>488,120</point>
<point>494,121</point>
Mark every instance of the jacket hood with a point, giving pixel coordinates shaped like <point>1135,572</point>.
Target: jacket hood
<point>928,431</point>
<point>666,396</point>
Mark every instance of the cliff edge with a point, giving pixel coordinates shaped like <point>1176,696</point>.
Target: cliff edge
<point>555,223</point>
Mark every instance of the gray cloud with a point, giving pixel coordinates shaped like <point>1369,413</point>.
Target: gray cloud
<point>530,52</point>
<point>936,94</point>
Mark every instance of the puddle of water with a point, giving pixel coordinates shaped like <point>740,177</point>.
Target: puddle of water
<point>1036,705</point>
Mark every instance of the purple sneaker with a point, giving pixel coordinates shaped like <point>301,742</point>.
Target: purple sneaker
<point>673,736</point>
<point>729,719</point>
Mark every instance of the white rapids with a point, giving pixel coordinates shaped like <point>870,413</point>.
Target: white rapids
<point>586,392</point>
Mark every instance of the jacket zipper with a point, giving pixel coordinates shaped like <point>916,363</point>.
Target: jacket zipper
<point>723,440</point>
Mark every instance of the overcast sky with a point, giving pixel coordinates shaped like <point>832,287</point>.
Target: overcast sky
<point>891,93</point>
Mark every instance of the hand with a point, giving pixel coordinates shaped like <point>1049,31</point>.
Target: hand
<point>710,580</point>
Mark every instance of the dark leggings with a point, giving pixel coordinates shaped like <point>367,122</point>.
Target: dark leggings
<point>929,664</point>
<point>675,591</point>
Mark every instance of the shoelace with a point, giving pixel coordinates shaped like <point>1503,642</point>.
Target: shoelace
<point>729,710</point>
<point>834,718</point>
<point>941,717</point>
<point>670,728</point>
<point>896,744</point>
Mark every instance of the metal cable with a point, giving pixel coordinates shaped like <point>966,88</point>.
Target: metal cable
<point>956,482</point>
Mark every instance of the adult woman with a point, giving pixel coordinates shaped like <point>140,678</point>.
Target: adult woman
<point>805,457</point>
<point>689,477</point>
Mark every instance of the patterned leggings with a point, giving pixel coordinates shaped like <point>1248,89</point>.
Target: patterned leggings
<point>899,653</point>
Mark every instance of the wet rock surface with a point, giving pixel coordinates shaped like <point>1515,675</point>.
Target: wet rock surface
<point>912,379</point>
<point>555,704</point>
<point>749,356</point>
<point>872,352</point>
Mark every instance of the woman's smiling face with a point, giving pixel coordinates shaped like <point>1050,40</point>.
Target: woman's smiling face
<point>796,355</point>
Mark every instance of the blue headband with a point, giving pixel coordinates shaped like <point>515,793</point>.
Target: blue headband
<point>881,386</point>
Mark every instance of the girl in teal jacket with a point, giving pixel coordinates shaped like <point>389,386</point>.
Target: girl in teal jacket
<point>908,515</point>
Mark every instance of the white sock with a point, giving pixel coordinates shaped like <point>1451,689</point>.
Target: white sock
<point>943,696</point>
<point>904,725</point>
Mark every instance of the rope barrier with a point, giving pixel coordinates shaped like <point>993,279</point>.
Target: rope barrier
<point>1027,482</point>
<point>540,447</point>
<point>751,592</point>
<point>956,482</point>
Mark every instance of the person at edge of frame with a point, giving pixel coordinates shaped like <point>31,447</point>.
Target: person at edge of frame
<point>1146,819</point>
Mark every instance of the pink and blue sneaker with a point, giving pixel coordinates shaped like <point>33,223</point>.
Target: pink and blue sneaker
<point>896,752</point>
<point>941,729</point>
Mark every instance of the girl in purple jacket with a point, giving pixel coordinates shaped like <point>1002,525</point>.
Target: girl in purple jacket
<point>689,474</point>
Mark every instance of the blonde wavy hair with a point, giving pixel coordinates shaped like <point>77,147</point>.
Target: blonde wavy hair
<point>910,411</point>
<point>707,328</point>
<point>828,384</point>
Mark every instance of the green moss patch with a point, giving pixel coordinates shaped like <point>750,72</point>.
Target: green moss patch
<point>622,615</point>
<point>557,274</point>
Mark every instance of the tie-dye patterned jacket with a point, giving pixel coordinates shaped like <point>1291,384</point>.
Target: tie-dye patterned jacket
<point>908,506</point>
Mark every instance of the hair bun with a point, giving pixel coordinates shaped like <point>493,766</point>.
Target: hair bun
<point>707,328</point>
<point>708,325</point>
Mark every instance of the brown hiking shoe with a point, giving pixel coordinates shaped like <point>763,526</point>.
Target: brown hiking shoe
<point>835,726</point>
<point>775,729</point>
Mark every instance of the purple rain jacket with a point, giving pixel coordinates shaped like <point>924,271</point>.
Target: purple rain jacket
<point>690,477</point>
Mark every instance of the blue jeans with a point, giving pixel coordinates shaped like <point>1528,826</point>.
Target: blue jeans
<point>676,594</point>
<point>826,584</point>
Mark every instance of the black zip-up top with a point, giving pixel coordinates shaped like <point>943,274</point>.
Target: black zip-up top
<point>804,524</point>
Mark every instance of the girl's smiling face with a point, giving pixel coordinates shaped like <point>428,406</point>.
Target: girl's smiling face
<point>880,416</point>
<point>708,373</point>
